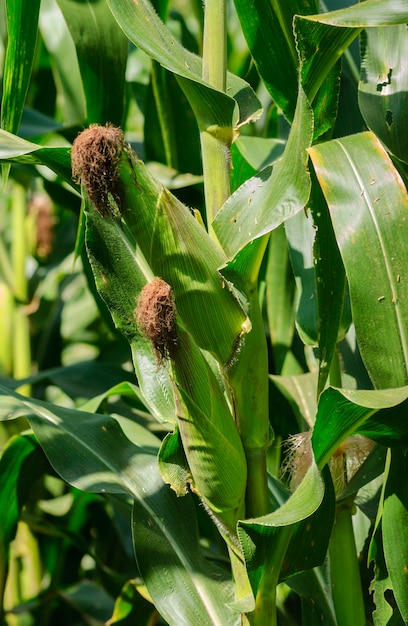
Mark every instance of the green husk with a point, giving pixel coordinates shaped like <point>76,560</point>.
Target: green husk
<point>210,439</point>
<point>173,242</point>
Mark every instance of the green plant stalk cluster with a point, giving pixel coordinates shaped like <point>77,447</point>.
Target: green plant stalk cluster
<point>181,255</point>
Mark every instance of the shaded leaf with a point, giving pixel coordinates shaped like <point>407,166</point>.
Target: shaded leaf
<point>268,31</point>
<point>21,463</point>
<point>290,531</point>
<point>378,414</point>
<point>394,525</point>
<point>60,45</point>
<point>323,38</point>
<point>102,52</point>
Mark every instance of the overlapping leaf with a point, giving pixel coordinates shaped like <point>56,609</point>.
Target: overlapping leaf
<point>13,149</point>
<point>212,108</point>
<point>91,452</point>
<point>380,415</point>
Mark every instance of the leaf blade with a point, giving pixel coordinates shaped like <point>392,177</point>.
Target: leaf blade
<point>367,201</point>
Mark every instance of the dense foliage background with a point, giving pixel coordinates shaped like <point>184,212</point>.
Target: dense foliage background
<point>283,239</point>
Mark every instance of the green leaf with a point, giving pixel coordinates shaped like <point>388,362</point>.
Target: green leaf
<point>92,453</point>
<point>313,587</point>
<point>383,87</point>
<point>378,414</point>
<point>21,463</point>
<point>83,447</point>
<point>102,52</point>
<point>266,540</point>
<point>300,234</point>
<point>61,48</point>
<point>279,298</point>
<point>13,149</point>
<point>368,202</point>
<point>367,14</point>
<point>267,26</point>
<point>185,588</point>
<point>209,434</point>
<point>394,525</point>
<point>323,38</point>
<point>334,318</point>
<point>300,391</point>
<point>272,196</point>
<point>131,607</point>
<point>212,108</point>
<point>22,23</point>
<point>173,464</point>
<point>320,47</point>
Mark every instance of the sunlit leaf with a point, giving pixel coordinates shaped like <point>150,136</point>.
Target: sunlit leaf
<point>22,22</point>
<point>272,196</point>
<point>143,27</point>
<point>120,274</point>
<point>13,149</point>
<point>368,204</point>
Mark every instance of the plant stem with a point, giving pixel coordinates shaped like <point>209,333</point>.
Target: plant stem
<point>21,331</point>
<point>248,381</point>
<point>215,44</point>
<point>215,152</point>
<point>345,575</point>
<point>265,602</point>
<point>19,242</point>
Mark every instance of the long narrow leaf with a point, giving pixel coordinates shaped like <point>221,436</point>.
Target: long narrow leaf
<point>22,22</point>
<point>166,545</point>
<point>102,52</point>
<point>13,149</point>
<point>268,30</point>
<point>368,204</point>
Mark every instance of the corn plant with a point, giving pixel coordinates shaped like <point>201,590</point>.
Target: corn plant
<point>243,219</point>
